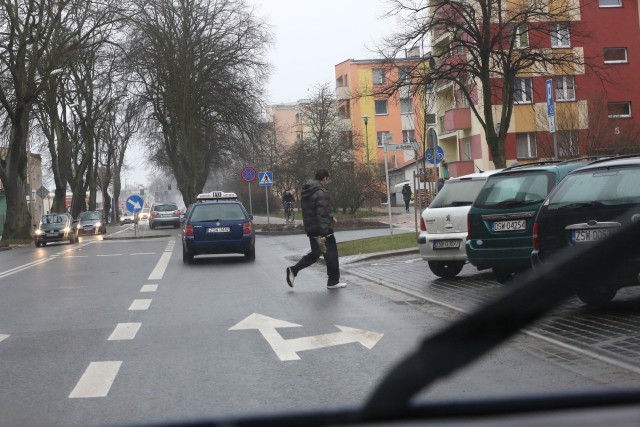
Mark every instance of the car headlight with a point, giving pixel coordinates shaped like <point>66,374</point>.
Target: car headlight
<point>78,226</point>
<point>98,224</point>
<point>66,230</point>
<point>39,232</point>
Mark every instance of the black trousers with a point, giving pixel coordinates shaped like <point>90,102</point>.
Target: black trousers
<point>330,257</point>
<point>406,203</point>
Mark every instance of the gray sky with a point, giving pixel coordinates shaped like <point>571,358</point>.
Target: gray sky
<point>311,37</point>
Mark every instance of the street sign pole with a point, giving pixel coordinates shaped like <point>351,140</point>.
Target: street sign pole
<point>386,174</point>
<point>250,206</point>
<point>551,116</point>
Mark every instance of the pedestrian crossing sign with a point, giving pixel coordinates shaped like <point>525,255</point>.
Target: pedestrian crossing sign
<point>265,179</point>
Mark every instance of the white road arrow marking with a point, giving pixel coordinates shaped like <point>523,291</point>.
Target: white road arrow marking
<point>3,337</point>
<point>288,349</point>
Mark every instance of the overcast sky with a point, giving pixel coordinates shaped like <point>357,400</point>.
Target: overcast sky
<point>311,37</point>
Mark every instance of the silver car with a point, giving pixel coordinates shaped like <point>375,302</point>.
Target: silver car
<point>443,224</point>
<point>163,214</point>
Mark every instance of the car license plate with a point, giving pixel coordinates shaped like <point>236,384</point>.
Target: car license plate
<point>446,244</point>
<point>219,230</point>
<point>584,236</point>
<point>519,224</point>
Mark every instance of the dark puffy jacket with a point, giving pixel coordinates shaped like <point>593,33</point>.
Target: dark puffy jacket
<point>315,209</point>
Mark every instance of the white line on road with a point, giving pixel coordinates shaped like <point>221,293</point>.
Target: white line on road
<point>24,267</point>
<point>149,288</point>
<point>3,337</point>
<point>109,255</point>
<point>124,331</point>
<point>158,271</point>
<point>143,253</point>
<point>140,304</point>
<point>96,380</point>
<point>77,256</point>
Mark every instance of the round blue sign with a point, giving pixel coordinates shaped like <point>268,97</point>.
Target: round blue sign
<point>134,203</point>
<point>439,155</point>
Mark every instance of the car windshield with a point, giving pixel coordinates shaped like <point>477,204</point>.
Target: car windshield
<point>515,189</point>
<point>457,193</point>
<point>85,216</point>
<point>608,187</point>
<point>217,212</point>
<point>53,219</point>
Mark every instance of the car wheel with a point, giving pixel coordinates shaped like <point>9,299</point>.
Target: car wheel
<point>503,275</point>
<point>596,295</point>
<point>250,255</point>
<point>187,257</point>
<point>446,269</point>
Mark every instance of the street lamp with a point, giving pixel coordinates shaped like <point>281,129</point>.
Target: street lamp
<point>366,137</point>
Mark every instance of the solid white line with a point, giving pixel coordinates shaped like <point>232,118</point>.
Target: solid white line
<point>24,267</point>
<point>96,380</point>
<point>124,331</point>
<point>140,304</point>
<point>158,272</point>
<point>143,253</point>
<point>3,337</point>
<point>77,256</point>
<point>149,288</point>
<point>109,255</point>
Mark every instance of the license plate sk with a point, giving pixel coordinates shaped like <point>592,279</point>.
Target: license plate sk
<point>219,230</point>
<point>446,244</point>
<point>519,224</point>
<point>583,236</point>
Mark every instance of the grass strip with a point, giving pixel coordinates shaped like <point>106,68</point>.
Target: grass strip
<point>377,244</point>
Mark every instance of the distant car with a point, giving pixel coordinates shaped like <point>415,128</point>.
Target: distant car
<point>91,222</point>
<point>57,227</point>
<point>443,224</point>
<point>144,214</point>
<point>163,214</point>
<point>126,218</point>
<point>500,221</point>
<point>588,205</point>
<point>218,223</point>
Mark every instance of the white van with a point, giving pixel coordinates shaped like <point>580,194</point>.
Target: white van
<point>443,224</point>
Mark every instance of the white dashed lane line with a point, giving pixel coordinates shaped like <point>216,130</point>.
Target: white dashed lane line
<point>140,304</point>
<point>124,331</point>
<point>3,337</point>
<point>96,380</point>
<point>149,288</point>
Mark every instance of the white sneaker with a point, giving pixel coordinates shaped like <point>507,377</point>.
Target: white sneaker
<point>337,285</point>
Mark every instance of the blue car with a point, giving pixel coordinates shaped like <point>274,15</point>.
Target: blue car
<point>218,223</point>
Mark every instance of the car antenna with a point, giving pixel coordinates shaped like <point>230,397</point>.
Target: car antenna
<point>479,170</point>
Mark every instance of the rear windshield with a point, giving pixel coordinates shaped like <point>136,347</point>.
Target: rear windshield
<point>89,215</point>
<point>515,190</point>
<point>165,208</point>
<point>607,187</point>
<point>458,193</point>
<point>53,219</point>
<point>217,212</point>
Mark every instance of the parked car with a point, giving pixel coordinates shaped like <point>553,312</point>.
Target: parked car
<point>127,218</point>
<point>91,222</point>
<point>500,221</point>
<point>57,227</point>
<point>218,223</point>
<point>443,224</point>
<point>145,214</point>
<point>163,214</point>
<point>588,205</point>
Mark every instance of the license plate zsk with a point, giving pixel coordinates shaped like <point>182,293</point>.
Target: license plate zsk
<point>219,230</point>
<point>519,224</point>
<point>446,244</point>
<point>581,236</point>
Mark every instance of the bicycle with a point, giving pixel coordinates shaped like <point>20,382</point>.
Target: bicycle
<point>289,212</point>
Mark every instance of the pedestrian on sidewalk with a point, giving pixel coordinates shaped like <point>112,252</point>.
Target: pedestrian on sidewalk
<point>317,222</point>
<point>406,196</point>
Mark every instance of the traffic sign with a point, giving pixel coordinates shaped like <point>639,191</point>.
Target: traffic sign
<point>265,179</point>
<point>134,203</point>
<point>249,174</point>
<point>397,147</point>
<point>439,155</point>
<point>551,107</point>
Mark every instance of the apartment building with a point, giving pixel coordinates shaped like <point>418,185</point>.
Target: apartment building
<point>594,102</point>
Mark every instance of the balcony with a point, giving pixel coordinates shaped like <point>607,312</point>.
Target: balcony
<point>342,93</point>
<point>457,119</point>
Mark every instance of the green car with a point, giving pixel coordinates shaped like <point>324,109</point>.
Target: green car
<point>500,221</point>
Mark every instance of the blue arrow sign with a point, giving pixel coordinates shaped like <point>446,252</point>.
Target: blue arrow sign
<point>134,203</point>
<point>439,155</point>
<point>265,179</point>
<point>551,108</point>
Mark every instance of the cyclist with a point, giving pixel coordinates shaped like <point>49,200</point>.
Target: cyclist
<point>287,204</point>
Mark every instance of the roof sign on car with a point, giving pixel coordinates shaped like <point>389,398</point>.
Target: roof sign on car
<point>216,195</point>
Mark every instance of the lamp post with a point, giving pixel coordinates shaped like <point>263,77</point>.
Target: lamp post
<point>366,137</point>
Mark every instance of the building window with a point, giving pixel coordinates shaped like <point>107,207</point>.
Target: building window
<point>521,35</point>
<point>404,74</point>
<point>431,119</point>
<point>615,55</point>
<point>299,136</point>
<point>406,106</point>
<point>560,36</point>
<point>457,49</point>
<point>522,91</point>
<point>610,3</point>
<point>378,76</point>
<point>466,149</point>
<point>619,109</point>
<point>298,117</point>
<point>384,137</point>
<point>565,88</point>
<point>381,107</point>
<point>526,145</point>
<point>408,135</point>
<point>344,111</point>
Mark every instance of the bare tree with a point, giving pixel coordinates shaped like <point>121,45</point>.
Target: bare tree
<point>199,67</point>
<point>479,51</point>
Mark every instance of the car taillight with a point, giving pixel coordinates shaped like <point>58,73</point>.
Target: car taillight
<point>176,213</point>
<point>469,227</point>
<point>154,213</point>
<point>247,228</point>
<point>188,230</point>
<point>423,226</point>
<point>536,239</point>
